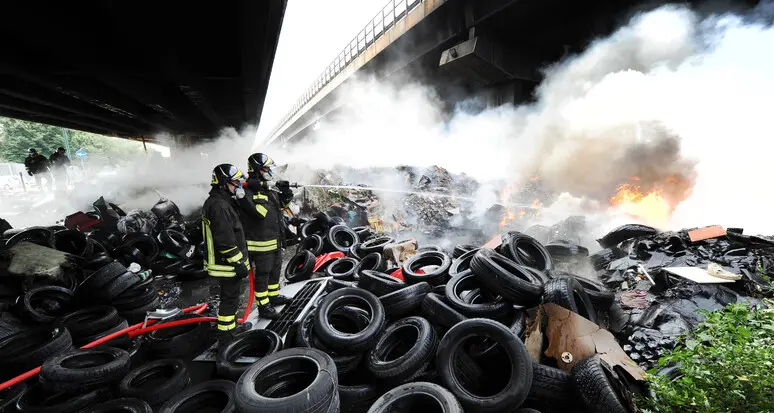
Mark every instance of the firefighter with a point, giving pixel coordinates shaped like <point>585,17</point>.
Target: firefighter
<point>227,258</point>
<point>59,163</point>
<point>37,167</point>
<point>261,213</point>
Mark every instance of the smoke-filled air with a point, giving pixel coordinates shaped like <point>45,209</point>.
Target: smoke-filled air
<point>665,122</point>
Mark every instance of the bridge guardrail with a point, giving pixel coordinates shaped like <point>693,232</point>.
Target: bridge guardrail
<point>392,13</point>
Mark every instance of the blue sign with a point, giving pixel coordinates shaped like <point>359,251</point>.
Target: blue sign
<point>80,153</point>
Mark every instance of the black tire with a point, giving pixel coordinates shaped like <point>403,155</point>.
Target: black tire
<point>28,349</point>
<point>601,259</point>
<point>97,261</point>
<point>300,267</point>
<point>551,386</point>
<point>90,321</point>
<point>527,251</point>
<point>10,396</point>
<point>506,278</point>
<point>178,341</point>
<point>316,226</point>
<point>349,343</point>
<point>342,269</point>
<point>379,283</point>
<point>437,276</point>
<point>371,262</point>
<point>625,232</point>
<point>416,397</point>
<point>136,297</point>
<point>70,241</point>
<point>461,249</point>
<point>362,232</point>
<point>357,398</point>
<point>177,243</point>
<point>268,386</point>
<point>403,302</point>
<point>569,293</point>
<point>333,285</point>
<point>137,314</point>
<point>36,235</point>
<point>82,341</point>
<point>354,251</point>
<point>341,237</point>
<point>495,308</point>
<point>565,251</point>
<point>438,312</point>
<point>519,380</point>
<point>121,405</point>
<point>258,343</point>
<point>100,278</point>
<point>313,243</point>
<point>461,264</point>
<point>376,244</point>
<point>404,351</point>
<point>36,399</point>
<point>118,286</point>
<point>305,337</point>
<point>155,382</point>
<point>43,305</point>
<point>427,248</point>
<point>143,242</point>
<point>192,271</point>
<point>599,387</point>
<point>84,369</point>
<point>211,396</point>
<point>600,296</point>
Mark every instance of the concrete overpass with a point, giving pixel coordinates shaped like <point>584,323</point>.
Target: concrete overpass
<point>134,68</point>
<point>491,49</point>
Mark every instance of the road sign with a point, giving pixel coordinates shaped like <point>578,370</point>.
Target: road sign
<point>80,153</point>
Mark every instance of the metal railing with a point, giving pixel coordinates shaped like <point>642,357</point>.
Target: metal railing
<point>392,13</point>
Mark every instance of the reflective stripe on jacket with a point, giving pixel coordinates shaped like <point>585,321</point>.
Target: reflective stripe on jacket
<point>223,234</point>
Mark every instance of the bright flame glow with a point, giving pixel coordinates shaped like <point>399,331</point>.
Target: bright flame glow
<point>652,207</point>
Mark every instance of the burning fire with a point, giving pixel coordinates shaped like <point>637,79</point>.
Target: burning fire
<point>511,214</point>
<point>651,207</point>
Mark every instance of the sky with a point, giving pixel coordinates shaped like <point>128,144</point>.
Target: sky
<point>313,33</point>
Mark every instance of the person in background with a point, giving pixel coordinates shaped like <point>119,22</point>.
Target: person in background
<point>227,258</point>
<point>59,163</point>
<point>37,167</point>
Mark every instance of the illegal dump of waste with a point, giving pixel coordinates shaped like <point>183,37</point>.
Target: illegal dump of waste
<point>507,327</point>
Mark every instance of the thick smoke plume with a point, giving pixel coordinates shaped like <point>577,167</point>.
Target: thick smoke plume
<point>672,102</point>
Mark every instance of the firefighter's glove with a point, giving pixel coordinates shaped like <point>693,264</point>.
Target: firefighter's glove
<point>242,269</point>
<point>29,173</point>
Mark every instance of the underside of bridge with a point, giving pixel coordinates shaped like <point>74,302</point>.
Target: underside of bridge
<point>490,49</point>
<point>136,68</point>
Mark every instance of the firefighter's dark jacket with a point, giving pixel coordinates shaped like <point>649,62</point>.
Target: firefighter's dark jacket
<point>59,161</point>
<point>223,235</point>
<point>261,214</point>
<point>36,164</point>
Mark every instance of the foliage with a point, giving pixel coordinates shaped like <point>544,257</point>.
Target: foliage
<point>725,366</point>
<point>17,136</point>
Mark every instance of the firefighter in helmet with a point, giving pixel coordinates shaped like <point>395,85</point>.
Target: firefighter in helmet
<point>224,237</point>
<point>261,214</point>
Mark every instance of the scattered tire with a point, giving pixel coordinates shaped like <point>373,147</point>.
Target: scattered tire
<point>28,349</point>
<point>312,243</point>
<point>436,276</point>
<point>506,278</point>
<point>565,251</point>
<point>155,382</point>
<point>600,296</point>
<point>440,313</point>
<point>349,343</point>
<point>300,267</point>
<point>527,251</point>
<point>461,249</point>
<point>122,406</point>
<point>379,283</point>
<point>333,285</point>
<point>84,369</point>
<point>371,262</point>
<point>376,244</point>
<point>316,226</point>
<point>266,387</point>
<point>305,337</point>
<point>403,302</point>
<point>417,397</point>
<point>177,243</point>
<point>10,396</point>
<point>43,305</point>
<point>90,321</point>
<point>143,242</point>
<point>178,341</point>
<point>118,326</point>
<point>210,396</point>
<point>253,343</point>
<point>342,269</point>
<point>70,241</point>
<point>600,388</point>
<point>601,259</point>
<point>362,232</point>
<point>36,399</point>
<point>569,293</point>
<point>428,248</point>
<point>625,232</point>
<point>356,393</point>
<point>404,351</point>
<point>461,264</point>
<point>341,237</point>
<point>192,271</point>
<point>550,385</point>
<point>36,235</point>
<point>518,380</point>
<point>100,278</point>
<point>487,306</point>
<point>354,251</point>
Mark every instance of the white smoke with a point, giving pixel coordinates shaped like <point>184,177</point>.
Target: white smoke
<point>668,96</point>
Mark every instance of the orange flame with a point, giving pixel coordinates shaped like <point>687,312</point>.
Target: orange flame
<point>651,207</point>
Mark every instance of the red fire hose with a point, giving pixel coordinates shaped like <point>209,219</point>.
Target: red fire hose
<point>137,330</point>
